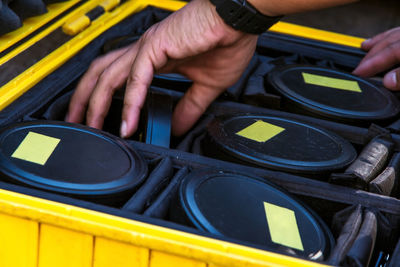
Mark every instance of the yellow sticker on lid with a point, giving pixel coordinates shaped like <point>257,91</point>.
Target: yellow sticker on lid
<point>282,226</point>
<point>260,131</point>
<point>36,148</point>
<point>331,82</point>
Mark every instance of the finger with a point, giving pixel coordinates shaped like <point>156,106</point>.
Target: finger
<point>385,59</point>
<point>112,78</point>
<point>387,41</point>
<point>376,49</point>
<point>80,98</point>
<point>369,43</point>
<point>139,80</point>
<point>392,80</point>
<point>192,105</point>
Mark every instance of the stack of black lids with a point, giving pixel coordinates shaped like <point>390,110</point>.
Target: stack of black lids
<point>158,115</point>
<point>277,143</point>
<point>333,94</point>
<point>70,159</point>
<point>252,210</point>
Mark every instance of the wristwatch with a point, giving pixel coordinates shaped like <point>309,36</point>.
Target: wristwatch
<point>242,16</point>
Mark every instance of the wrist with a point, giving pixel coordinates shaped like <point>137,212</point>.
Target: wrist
<point>222,31</point>
<point>265,9</point>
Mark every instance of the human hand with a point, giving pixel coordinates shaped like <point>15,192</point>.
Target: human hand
<point>193,41</point>
<point>383,54</point>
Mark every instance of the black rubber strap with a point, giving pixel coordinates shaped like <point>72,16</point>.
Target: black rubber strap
<point>242,16</point>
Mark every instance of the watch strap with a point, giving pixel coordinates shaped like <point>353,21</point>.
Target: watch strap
<point>242,16</point>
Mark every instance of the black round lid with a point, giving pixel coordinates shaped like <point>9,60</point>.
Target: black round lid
<point>69,158</point>
<point>334,94</point>
<point>252,210</point>
<point>280,143</point>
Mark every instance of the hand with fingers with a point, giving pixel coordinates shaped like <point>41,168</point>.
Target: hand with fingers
<point>383,55</point>
<point>193,41</point>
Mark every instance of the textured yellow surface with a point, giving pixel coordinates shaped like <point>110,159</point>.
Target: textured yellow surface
<point>160,259</point>
<point>64,248</point>
<point>112,253</point>
<point>316,34</point>
<point>18,241</point>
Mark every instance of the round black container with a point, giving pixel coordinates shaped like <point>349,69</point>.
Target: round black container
<point>70,159</point>
<point>277,143</point>
<point>251,210</point>
<point>333,94</point>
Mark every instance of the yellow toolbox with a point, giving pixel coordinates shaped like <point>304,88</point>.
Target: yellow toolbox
<point>39,228</point>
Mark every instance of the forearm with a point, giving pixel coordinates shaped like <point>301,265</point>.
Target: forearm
<point>285,7</point>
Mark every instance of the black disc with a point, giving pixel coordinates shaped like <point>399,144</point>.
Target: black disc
<point>333,94</point>
<point>71,159</point>
<point>278,143</point>
<point>252,210</point>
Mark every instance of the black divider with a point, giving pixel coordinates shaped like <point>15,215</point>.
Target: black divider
<point>157,180</point>
<point>335,204</point>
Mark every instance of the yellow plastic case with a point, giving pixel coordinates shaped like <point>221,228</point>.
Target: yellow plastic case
<point>37,232</point>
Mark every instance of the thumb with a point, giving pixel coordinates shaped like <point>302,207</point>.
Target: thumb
<point>192,105</point>
<point>392,80</point>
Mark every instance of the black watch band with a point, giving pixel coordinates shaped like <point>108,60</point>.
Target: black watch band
<point>242,16</point>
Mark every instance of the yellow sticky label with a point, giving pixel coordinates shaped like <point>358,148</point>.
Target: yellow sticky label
<point>282,226</point>
<point>36,148</point>
<point>260,131</point>
<point>331,82</point>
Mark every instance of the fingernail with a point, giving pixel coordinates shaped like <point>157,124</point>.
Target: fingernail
<point>123,131</point>
<point>390,80</point>
<point>355,71</point>
<point>367,41</point>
